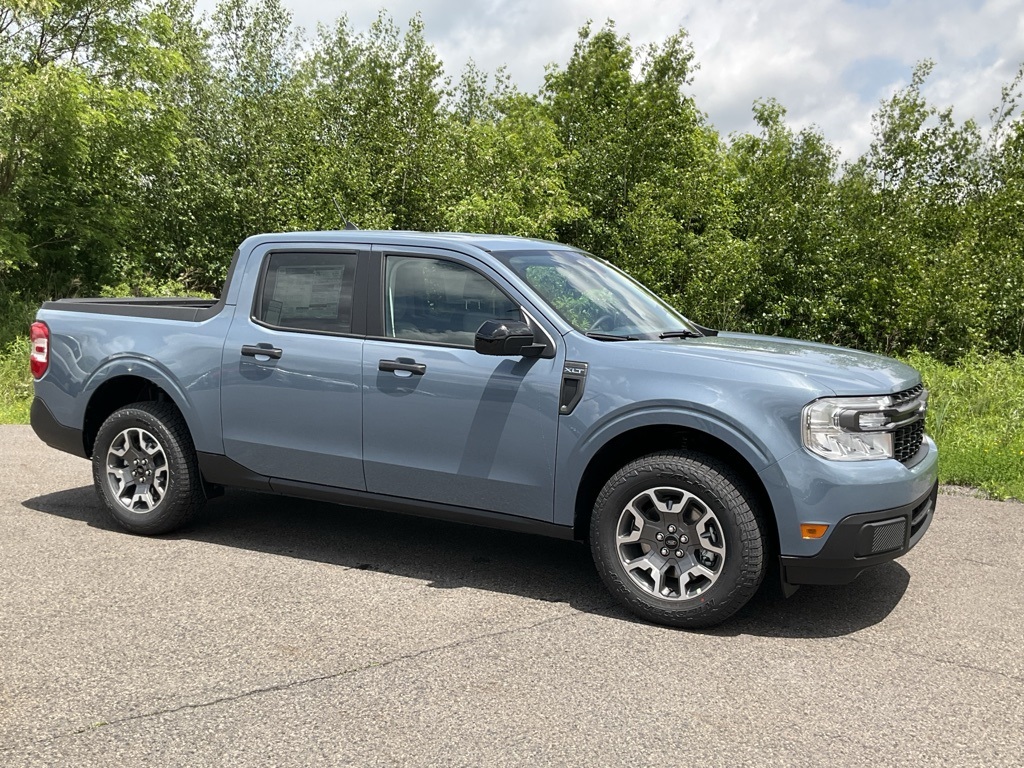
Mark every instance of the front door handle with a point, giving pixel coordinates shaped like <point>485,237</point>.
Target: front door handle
<point>252,350</point>
<point>402,364</point>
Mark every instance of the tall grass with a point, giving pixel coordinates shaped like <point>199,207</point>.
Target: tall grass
<point>977,418</point>
<point>15,382</point>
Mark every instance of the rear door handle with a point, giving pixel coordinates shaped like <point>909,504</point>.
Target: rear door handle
<point>252,350</point>
<point>403,364</point>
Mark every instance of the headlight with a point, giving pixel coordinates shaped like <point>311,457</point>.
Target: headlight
<point>858,428</point>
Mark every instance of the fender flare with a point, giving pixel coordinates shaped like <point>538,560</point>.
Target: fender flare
<point>144,368</point>
<point>574,466</point>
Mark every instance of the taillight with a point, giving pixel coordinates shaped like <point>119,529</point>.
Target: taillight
<point>40,357</point>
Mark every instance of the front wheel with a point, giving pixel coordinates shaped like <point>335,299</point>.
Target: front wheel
<point>678,539</point>
<point>145,469</point>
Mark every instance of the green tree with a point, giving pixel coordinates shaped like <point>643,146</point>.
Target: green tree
<point>788,217</point>
<point>998,223</point>
<point>910,241</point>
<point>82,130</point>
<point>508,163</point>
<point>380,124</point>
<point>645,166</point>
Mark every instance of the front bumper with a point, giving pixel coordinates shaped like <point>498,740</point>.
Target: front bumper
<point>862,540</point>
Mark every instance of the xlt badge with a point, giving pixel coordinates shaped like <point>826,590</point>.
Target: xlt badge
<point>574,377</point>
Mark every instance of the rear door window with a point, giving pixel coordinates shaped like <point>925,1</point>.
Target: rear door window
<point>308,292</point>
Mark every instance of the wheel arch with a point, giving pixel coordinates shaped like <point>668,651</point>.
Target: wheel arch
<point>117,392</point>
<point>644,440</point>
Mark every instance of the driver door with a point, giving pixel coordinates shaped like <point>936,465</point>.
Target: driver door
<point>441,422</point>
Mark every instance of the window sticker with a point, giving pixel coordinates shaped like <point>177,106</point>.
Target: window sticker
<point>309,292</point>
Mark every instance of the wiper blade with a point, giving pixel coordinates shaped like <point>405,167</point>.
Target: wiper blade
<point>610,337</point>
<point>684,334</point>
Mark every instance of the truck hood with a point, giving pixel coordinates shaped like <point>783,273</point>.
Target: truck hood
<point>844,371</point>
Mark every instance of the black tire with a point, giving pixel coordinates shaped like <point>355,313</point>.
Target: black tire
<point>155,487</point>
<point>717,530</point>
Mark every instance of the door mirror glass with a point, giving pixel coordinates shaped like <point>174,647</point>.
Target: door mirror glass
<point>505,338</point>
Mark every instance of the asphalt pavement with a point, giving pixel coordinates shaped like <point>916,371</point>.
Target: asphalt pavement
<point>278,632</point>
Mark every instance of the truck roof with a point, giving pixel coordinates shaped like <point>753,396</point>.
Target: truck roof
<point>400,237</point>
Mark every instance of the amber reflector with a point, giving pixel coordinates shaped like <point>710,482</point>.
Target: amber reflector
<point>812,530</point>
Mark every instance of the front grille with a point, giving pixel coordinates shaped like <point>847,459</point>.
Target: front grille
<point>906,395</point>
<point>908,438</point>
<point>907,441</point>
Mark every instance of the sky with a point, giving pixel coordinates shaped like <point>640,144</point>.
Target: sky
<point>828,62</point>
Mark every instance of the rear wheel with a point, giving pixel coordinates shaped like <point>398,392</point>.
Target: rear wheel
<point>145,469</point>
<point>677,539</point>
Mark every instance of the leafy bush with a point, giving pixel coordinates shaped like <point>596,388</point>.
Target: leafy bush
<point>15,317</point>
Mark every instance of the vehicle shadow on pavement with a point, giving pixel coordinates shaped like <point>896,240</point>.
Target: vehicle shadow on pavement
<point>450,556</point>
<point>821,611</point>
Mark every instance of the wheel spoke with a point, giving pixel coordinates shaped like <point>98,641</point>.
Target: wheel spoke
<point>708,530</point>
<point>160,477</point>
<point>673,506</point>
<point>142,497</point>
<point>696,571</point>
<point>654,571</point>
<point>135,439</point>
<point>122,476</point>
<point>635,523</point>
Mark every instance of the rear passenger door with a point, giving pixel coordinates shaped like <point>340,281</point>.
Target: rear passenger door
<point>442,423</point>
<point>290,396</point>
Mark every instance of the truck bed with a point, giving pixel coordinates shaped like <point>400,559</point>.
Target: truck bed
<point>184,309</point>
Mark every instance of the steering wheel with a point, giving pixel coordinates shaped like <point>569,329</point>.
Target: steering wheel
<point>598,324</point>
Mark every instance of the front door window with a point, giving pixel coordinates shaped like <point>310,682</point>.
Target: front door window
<point>440,302</point>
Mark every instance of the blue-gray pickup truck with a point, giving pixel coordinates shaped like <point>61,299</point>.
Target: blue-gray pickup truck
<point>502,381</point>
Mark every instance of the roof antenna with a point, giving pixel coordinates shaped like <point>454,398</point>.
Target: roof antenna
<point>348,224</point>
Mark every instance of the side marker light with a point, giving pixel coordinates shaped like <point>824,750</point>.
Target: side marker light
<point>812,530</point>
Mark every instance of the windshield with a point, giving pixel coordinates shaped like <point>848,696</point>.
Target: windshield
<point>594,297</point>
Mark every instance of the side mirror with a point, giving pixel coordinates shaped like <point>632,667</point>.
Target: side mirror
<point>506,338</point>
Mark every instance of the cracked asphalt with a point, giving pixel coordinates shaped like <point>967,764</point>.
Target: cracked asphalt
<point>278,632</point>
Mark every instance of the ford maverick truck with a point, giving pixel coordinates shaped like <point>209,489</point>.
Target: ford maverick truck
<point>503,381</point>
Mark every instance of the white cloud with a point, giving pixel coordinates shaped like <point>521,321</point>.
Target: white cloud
<point>828,62</point>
